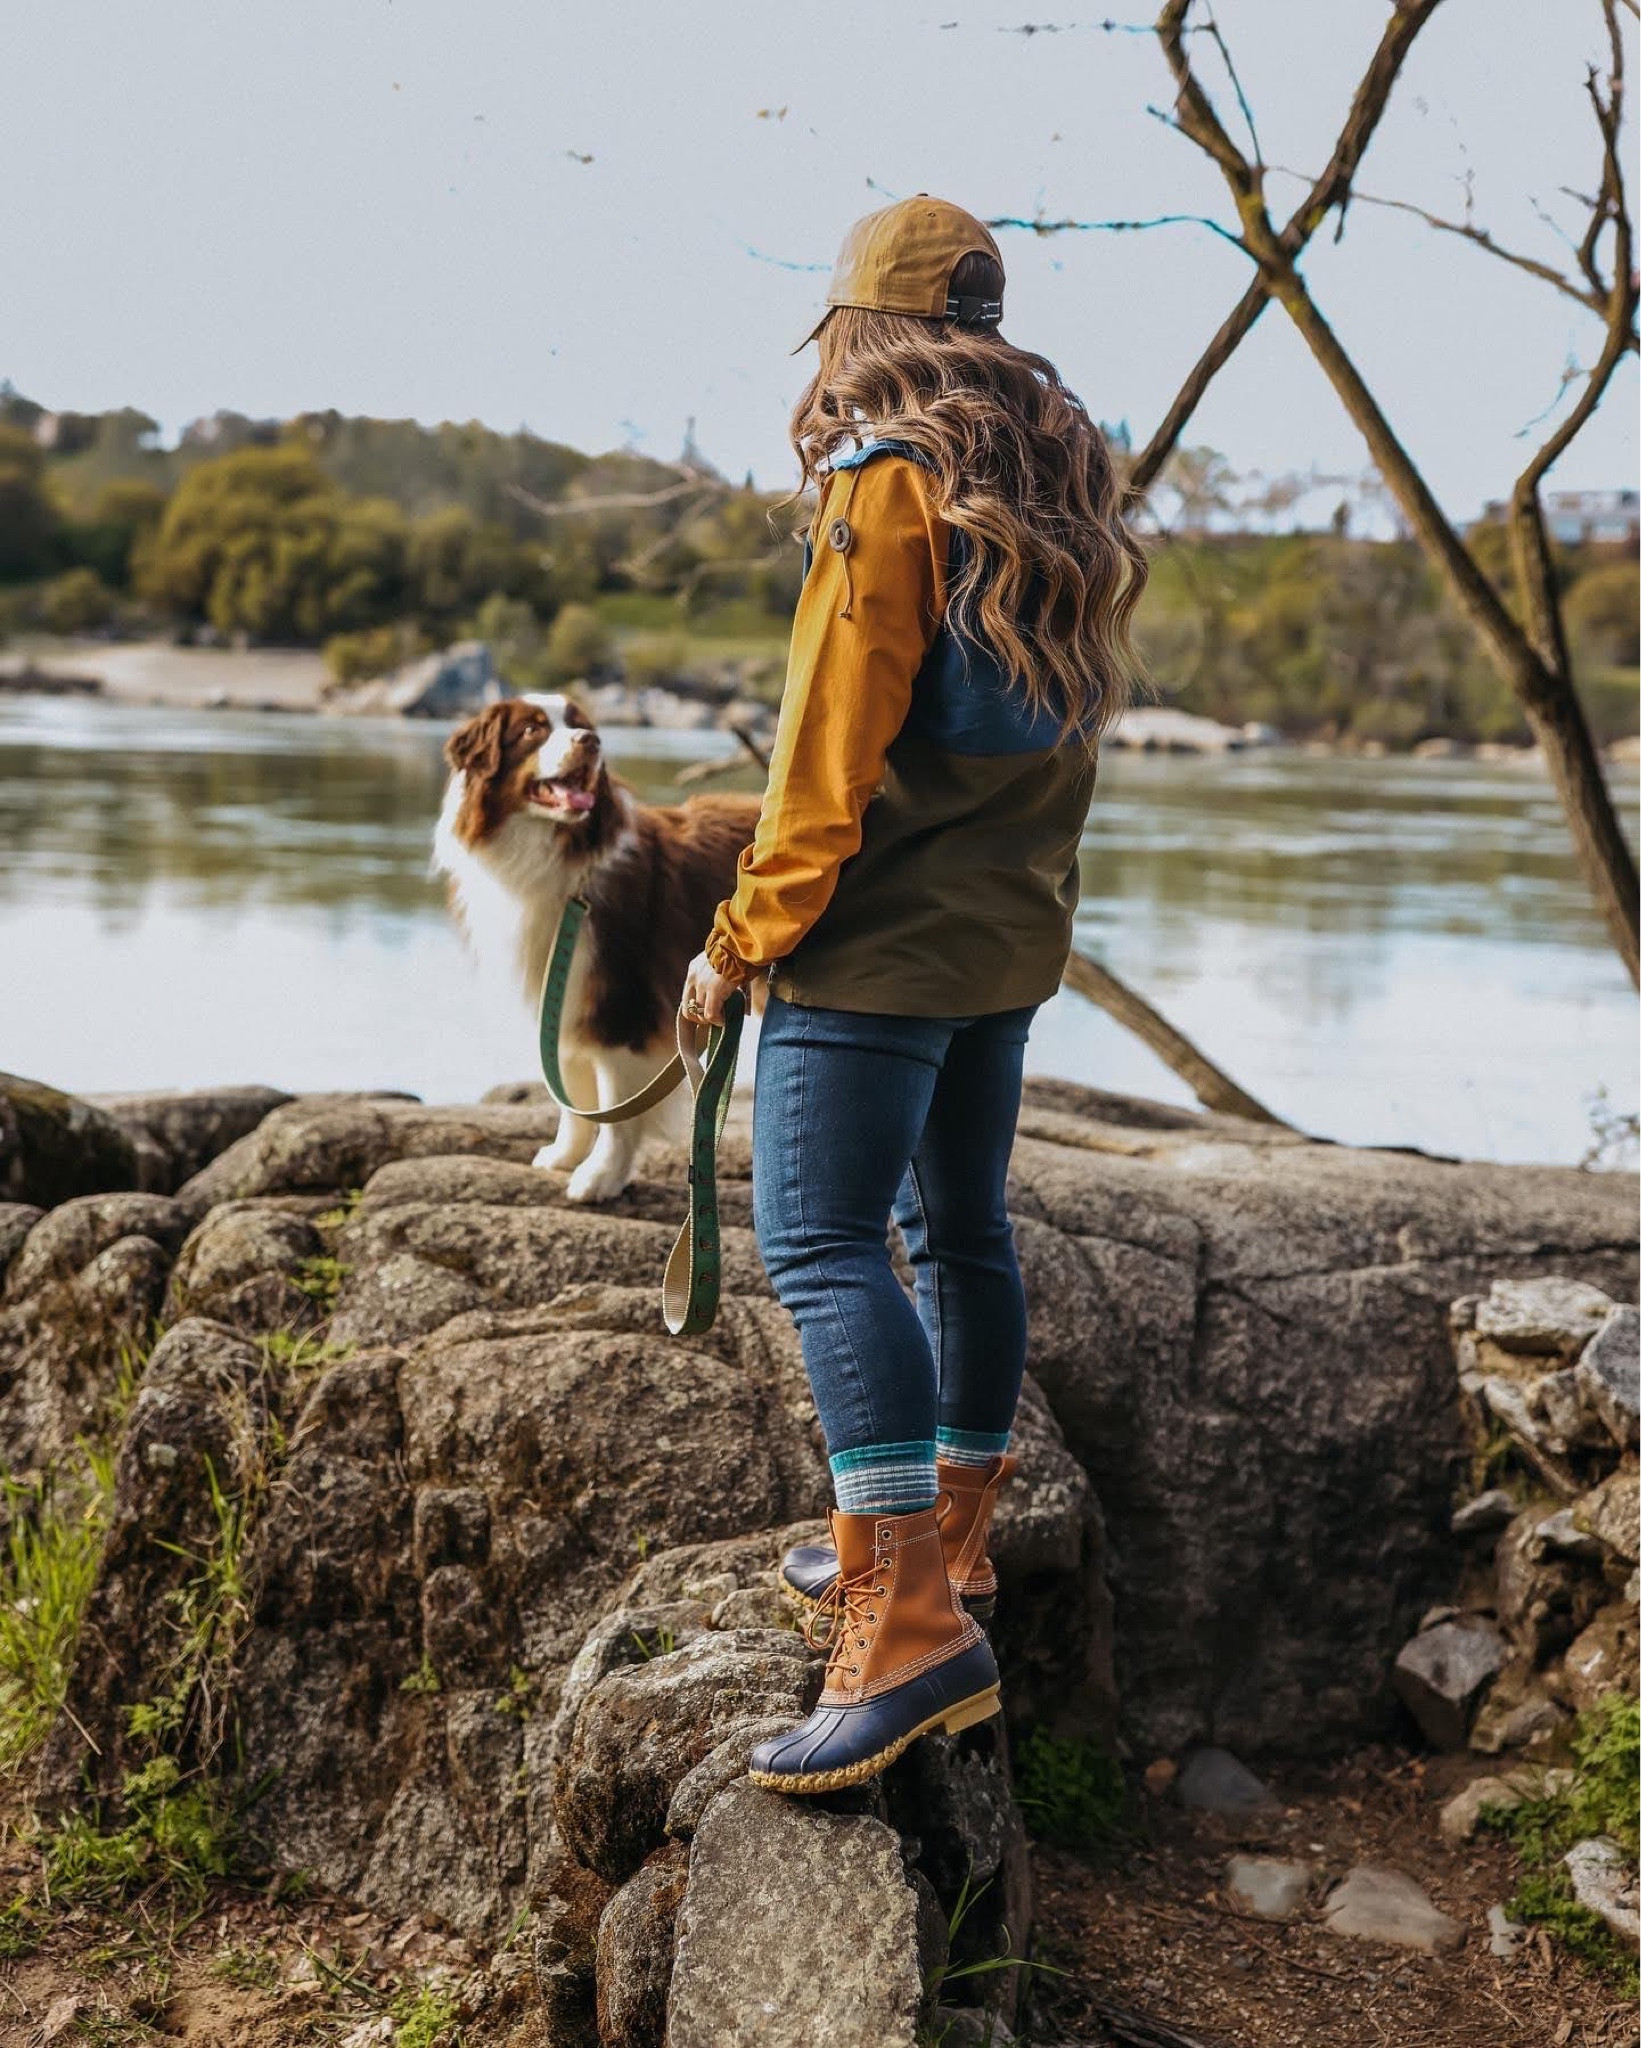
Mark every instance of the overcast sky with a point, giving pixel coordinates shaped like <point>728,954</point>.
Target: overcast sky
<point>600,220</point>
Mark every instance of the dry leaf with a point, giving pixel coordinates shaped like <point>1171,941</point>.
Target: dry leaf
<point>60,2017</point>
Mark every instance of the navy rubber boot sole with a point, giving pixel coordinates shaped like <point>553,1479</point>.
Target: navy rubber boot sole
<point>842,1746</point>
<point>808,1570</point>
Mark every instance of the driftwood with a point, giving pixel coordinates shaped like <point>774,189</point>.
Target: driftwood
<point>1211,1085</point>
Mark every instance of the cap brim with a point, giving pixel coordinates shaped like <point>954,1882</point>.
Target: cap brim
<point>809,337</point>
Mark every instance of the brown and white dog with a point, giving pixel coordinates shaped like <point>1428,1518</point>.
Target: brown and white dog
<point>531,815</point>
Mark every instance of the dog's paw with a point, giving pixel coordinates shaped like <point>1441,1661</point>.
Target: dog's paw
<point>596,1181</point>
<point>558,1157</point>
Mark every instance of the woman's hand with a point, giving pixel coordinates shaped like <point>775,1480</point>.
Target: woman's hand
<point>705,990</point>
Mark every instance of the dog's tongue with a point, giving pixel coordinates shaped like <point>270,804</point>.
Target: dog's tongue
<point>576,799</point>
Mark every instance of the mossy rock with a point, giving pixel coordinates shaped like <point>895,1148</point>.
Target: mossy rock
<point>54,1146</point>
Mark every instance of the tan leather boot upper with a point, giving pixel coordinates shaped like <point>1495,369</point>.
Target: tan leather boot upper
<point>968,1496</point>
<point>896,1613</point>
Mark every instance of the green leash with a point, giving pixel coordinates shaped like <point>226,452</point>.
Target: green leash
<point>706,1059</point>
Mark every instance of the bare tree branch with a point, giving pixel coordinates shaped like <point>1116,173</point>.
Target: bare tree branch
<point>1534,660</point>
<point>1582,294</point>
<point>620,501</point>
<point>1039,226</point>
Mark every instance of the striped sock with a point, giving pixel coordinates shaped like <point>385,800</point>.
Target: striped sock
<point>969,1446</point>
<point>885,1479</point>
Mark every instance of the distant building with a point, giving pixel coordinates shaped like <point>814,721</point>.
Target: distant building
<point>1576,518</point>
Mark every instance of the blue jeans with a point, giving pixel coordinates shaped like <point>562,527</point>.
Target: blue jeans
<point>857,1117</point>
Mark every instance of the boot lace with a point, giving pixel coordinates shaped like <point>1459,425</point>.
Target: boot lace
<point>848,1610</point>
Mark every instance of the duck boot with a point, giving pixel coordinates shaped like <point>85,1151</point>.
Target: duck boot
<point>968,1495</point>
<point>903,1658</point>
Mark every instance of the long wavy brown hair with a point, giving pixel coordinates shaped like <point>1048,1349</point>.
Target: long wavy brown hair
<point>1051,574</point>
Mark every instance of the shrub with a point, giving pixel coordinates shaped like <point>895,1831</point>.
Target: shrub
<point>1601,1800</point>
<point>356,657</point>
<point>579,645</point>
<point>78,601</point>
<point>656,657</point>
<point>1071,1792</point>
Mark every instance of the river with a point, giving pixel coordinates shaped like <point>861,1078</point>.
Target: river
<point>1385,951</point>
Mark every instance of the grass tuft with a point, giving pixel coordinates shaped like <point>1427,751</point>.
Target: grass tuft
<point>1601,1800</point>
<point>54,1537</point>
<point>426,2018</point>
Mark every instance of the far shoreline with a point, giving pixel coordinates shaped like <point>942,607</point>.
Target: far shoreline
<point>295,681</point>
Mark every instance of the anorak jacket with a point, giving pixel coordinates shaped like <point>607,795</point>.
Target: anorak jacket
<point>916,854</point>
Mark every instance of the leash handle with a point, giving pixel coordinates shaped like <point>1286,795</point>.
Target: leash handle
<point>705,1058</point>
<point>694,1275</point>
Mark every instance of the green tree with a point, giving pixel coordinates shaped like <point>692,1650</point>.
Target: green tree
<point>1602,613</point>
<point>28,519</point>
<point>261,541</point>
<point>123,515</point>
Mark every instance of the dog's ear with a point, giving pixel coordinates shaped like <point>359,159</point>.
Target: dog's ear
<point>476,747</point>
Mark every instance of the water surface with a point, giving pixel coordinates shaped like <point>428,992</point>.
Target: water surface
<point>1391,951</point>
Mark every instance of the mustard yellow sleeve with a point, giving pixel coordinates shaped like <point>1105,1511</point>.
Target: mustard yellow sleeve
<point>864,621</point>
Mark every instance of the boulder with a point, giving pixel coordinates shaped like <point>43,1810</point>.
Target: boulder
<point>634,1956</point>
<point>1611,1514</point>
<point>77,1319</point>
<point>1604,1884</point>
<point>1217,1782</point>
<point>1602,1658</point>
<point>1374,1903</point>
<point>1190,1278</point>
<point>449,683</point>
<point>1270,1887</point>
<point>1543,1596</point>
<point>17,1219</point>
<point>193,1437</point>
<point>251,1265</point>
<point>1608,1374</point>
<point>797,1926</point>
<point>1479,1520</point>
<point>1548,1317</point>
<point>55,1146</point>
<point>179,1131</point>
<point>1442,1675</point>
<point>648,1724</point>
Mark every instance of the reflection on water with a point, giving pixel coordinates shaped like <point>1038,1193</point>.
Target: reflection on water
<point>1394,951</point>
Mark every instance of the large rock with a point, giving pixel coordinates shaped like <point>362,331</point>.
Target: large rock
<point>1552,1316</point>
<point>451,1524</point>
<point>55,1146</point>
<point>1609,1374</point>
<point>797,1926</point>
<point>1443,1674</point>
<point>1374,1903</point>
<point>634,1957</point>
<point>646,1725</point>
<point>1244,1337</point>
<point>194,1437</point>
<point>179,1131</point>
<point>1604,1884</point>
<point>77,1320</point>
<point>449,683</point>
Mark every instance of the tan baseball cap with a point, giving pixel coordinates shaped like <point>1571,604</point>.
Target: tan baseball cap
<point>901,258</point>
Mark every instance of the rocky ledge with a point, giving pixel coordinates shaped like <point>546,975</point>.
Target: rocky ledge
<point>505,1625</point>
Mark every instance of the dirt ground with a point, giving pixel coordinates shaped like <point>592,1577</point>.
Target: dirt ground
<point>1155,1955</point>
<point>1146,1930</point>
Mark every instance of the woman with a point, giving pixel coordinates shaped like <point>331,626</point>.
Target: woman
<point>960,642</point>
